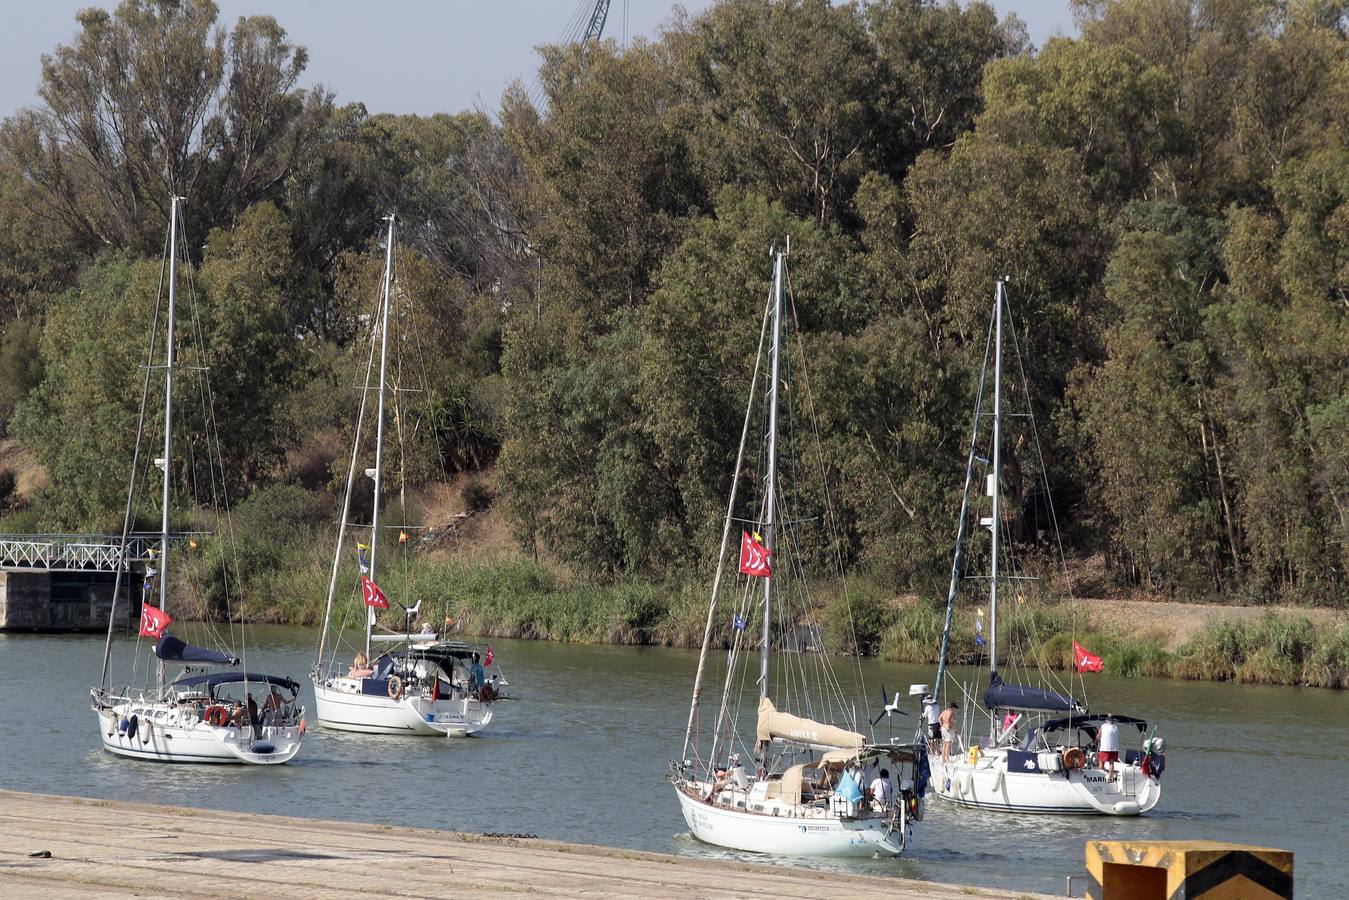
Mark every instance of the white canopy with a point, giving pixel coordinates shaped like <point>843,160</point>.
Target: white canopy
<point>774,724</point>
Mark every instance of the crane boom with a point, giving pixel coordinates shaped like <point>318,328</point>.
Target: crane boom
<point>597,19</point>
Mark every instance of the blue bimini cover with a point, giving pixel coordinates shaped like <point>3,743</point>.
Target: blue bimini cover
<point>171,649</point>
<point>1023,696</point>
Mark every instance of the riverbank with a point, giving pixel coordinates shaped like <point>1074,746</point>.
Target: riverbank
<point>517,598</point>
<point>112,849</point>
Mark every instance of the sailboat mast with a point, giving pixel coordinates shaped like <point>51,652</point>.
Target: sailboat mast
<point>168,418</point>
<point>379,418</point>
<point>770,507</point>
<point>996,478</point>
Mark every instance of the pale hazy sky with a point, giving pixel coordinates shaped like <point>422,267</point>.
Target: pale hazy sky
<point>403,56</point>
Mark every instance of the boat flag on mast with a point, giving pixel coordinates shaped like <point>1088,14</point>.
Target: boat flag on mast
<point>754,557</point>
<point>1086,662</point>
<point>154,621</point>
<point>373,595</point>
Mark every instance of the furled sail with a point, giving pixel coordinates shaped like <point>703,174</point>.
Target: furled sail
<point>1001,695</point>
<point>775,724</point>
<point>171,649</point>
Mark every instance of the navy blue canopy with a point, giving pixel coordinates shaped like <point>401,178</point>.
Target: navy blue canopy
<point>219,678</point>
<point>1093,719</point>
<point>1022,696</point>
<point>171,649</point>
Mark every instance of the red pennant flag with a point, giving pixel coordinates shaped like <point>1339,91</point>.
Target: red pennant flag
<point>154,621</point>
<point>487,660</point>
<point>754,557</point>
<point>373,595</point>
<point>1086,662</point>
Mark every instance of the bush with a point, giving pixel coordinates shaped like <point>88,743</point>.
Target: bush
<point>280,514</point>
<point>856,621</point>
<point>476,496</point>
<point>7,484</point>
<point>915,636</point>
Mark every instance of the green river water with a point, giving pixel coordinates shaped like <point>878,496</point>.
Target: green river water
<point>581,753</point>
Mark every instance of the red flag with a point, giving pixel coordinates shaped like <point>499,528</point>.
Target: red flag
<point>753,557</point>
<point>487,660</point>
<point>154,621</point>
<point>373,595</point>
<point>1086,662</point>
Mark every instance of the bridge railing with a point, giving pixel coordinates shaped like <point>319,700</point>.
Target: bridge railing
<point>76,552</point>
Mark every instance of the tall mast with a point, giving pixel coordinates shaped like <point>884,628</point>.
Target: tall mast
<point>379,417</point>
<point>770,507</point>
<point>996,478</point>
<point>168,418</point>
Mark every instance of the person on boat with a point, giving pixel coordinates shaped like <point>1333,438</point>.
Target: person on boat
<point>1009,723</point>
<point>948,729</point>
<point>360,666</point>
<point>1109,752</point>
<point>932,714</point>
<point>718,783</point>
<point>882,791</point>
<point>272,706</point>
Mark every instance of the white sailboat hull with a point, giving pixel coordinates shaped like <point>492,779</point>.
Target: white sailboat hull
<point>787,835</point>
<point>162,735</point>
<point>988,785</point>
<point>346,709</point>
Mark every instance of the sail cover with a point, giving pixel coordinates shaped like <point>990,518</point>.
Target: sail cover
<point>774,724</point>
<point>1022,696</point>
<point>171,649</point>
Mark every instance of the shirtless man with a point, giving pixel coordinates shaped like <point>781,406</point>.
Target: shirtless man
<point>948,729</point>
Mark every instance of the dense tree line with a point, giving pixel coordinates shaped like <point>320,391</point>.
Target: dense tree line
<point>1168,193</point>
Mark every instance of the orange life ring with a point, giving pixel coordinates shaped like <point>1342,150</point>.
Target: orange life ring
<point>217,715</point>
<point>395,688</point>
<point>1074,758</point>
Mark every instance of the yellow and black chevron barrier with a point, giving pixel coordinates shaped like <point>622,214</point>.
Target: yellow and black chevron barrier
<point>1187,870</point>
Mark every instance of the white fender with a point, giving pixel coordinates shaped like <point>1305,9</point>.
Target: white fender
<point>997,778</point>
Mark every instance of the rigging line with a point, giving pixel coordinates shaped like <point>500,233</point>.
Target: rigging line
<point>726,527</point>
<point>103,680</point>
<point>218,500</point>
<point>939,684</point>
<point>859,676</point>
<point>346,499</point>
<point>726,720</point>
<point>1044,479</point>
<point>433,425</point>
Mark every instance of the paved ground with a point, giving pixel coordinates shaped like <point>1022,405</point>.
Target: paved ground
<point>113,849</point>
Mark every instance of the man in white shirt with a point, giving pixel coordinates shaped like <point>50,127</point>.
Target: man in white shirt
<point>1109,745</point>
<point>882,791</point>
<point>932,714</point>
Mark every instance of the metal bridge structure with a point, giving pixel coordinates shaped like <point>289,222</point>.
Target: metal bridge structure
<point>74,552</point>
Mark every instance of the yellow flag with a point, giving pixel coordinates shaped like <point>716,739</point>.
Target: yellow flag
<point>360,546</point>
<point>757,539</point>
<point>191,544</point>
<point>402,537</point>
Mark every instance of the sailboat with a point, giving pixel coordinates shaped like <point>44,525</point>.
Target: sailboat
<point>1040,747</point>
<point>423,684</point>
<point>210,712</point>
<point>814,788</point>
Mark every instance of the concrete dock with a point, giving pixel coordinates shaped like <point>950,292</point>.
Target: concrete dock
<point>111,848</point>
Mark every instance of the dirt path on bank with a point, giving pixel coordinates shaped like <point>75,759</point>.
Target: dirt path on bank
<point>1181,621</point>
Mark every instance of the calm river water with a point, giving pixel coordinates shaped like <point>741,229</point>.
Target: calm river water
<point>581,757</point>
